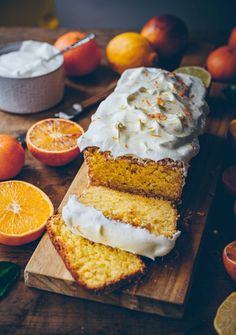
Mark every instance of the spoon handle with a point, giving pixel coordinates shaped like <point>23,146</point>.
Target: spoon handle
<point>74,45</point>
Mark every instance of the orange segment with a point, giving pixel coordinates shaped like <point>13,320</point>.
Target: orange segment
<point>24,210</point>
<point>54,141</point>
<point>225,320</point>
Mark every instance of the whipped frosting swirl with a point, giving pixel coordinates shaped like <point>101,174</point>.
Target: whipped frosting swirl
<point>152,114</point>
<point>92,224</point>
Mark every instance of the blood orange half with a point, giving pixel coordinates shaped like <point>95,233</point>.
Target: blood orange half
<point>54,141</point>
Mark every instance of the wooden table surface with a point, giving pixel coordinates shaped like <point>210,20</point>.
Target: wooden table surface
<point>30,311</point>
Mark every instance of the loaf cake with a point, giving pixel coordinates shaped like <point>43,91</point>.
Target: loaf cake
<point>143,135</point>
<point>137,149</point>
<point>94,266</point>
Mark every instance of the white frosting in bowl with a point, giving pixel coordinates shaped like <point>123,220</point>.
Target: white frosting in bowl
<point>92,224</point>
<point>152,114</point>
<point>30,60</point>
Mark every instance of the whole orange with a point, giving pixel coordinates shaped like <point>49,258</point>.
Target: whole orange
<point>168,35</point>
<point>221,63</point>
<point>232,38</point>
<point>82,60</point>
<point>12,157</point>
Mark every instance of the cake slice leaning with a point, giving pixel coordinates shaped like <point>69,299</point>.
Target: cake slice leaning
<point>158,216</point>
<point>140,225</point>
<point>94,266</point>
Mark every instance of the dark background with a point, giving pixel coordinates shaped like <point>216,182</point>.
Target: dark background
<point>204,16</point>
<point>199,15</point>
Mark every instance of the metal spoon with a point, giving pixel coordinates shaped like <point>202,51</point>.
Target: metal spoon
<point>73,46</point>
<point>77,108</point>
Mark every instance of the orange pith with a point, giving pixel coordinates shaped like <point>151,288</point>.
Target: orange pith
<point>55,135</point>
<point>24,210</point>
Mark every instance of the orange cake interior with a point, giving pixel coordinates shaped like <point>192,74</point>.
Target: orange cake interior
<point>163,179</point>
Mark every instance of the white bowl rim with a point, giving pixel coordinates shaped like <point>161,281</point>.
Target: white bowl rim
<point>16,45</point>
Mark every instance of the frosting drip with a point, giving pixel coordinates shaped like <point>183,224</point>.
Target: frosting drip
<point>93,225</point>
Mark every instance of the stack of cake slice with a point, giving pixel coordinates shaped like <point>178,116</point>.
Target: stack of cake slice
<point>137,150</point>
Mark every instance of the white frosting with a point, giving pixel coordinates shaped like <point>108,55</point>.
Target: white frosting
<point>29,60</point>
<point>92,224</point>
<point>152,114</point>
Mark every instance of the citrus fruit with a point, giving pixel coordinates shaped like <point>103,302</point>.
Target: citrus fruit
<point>129,50</point>
<point>225,320</point>
<point>12,157</point>
<point>221,63</point>
<point>232,38</point>
<point>229,259</point>
<point>82,60</point>
<point>196,71</point>
<point>54,141</point>
<point>24,210</point>
<point>168,35</point>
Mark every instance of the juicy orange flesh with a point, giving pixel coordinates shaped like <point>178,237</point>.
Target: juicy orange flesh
<point>55,135</point>
<point>22,208</point>
<point>231,252</point>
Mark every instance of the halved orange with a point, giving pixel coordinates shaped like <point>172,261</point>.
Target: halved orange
<point>229,259</point>
<point>54,141</point>
<point>24,210</point>
<point>225,320</point>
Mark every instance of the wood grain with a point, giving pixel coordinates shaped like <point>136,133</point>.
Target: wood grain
<point>164,290</point>
<point>31,311</point>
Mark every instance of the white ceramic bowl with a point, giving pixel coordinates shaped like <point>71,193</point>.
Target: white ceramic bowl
<point>31,95</point>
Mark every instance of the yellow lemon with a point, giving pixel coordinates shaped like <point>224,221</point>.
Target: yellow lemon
<point>129,50</point>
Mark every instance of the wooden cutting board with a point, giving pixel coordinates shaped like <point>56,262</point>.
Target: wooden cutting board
<point>164,290</point>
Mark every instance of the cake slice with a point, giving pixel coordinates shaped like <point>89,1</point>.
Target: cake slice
<point>134,223</point>
<point>158,216</point>
<point>95,266</point>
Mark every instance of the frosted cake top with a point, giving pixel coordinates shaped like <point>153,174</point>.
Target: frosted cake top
<point>152,114</point>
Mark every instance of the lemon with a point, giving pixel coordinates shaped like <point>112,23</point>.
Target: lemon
<point>225,320</point>
<point>129,50</point>
<point>196,71</point>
